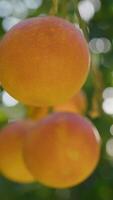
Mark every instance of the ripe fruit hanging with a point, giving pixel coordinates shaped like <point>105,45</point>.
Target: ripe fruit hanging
<point>77,104</point>
<point>62,150</point>
<point>43,61</point>
<point>11,144</point>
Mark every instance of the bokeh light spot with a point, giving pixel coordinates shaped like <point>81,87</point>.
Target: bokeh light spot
<point>109,147</point>
<point>5,8</point>
<point>86,9</point>
<point>8,100</point>
<point>9,22</point>
<point>20,9</point>
<point>100,45</point>
<point>33,4</point>
<point>111,129</point>
<point>108,93</point>
<point>108,106</point>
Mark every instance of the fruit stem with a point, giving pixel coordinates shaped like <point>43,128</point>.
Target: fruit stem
<point>54,9</point>
<point>50,110</point>
<point>98,87</point>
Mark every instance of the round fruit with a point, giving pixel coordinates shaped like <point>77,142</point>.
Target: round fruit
<point>77,104</point>
<point>11,144</point>
<point>62,150</point>
<point>43,61</point>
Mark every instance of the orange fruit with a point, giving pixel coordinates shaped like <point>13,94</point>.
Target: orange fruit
<point>62,150</point>
<point>11,144</point>
<point>36,113</point>
<point>77,104</point>
<point>43,61</point>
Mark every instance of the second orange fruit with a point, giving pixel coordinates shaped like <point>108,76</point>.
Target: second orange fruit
<point>77,104</point>
<point>11,146</point>
<point>62,150</point>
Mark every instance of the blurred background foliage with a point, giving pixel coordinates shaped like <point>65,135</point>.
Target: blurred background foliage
<point>96,19</point>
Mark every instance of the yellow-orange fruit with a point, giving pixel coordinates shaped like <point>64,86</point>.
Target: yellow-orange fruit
<point>77,104</point>
<point>62,150</point>
<point>43,61</point>
<point>11,144</point>
<point>37,113</point>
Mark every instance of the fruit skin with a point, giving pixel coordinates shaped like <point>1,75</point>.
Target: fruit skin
<point>62,150</point>
<point>11,144</point>
<point>43,61</point>
<point>77,104</point>
<point>36,113</point>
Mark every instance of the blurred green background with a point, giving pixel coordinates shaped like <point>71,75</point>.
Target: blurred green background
<point>95,17</point>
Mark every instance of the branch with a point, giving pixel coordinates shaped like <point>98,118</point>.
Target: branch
<point>54,9</point>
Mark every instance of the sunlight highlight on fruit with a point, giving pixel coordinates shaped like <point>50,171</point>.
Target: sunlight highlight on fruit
<point>62,150</point>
